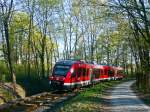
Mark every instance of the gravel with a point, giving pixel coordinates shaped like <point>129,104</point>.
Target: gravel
<point>122,99</point>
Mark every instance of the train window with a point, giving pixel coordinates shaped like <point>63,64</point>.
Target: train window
<point>61,70</point>
<point>120,72</point>
<point>96,73</point>
<point>74,73</point>
<point>110,72</point>
<point>84,72</point>
<point>79,72</point>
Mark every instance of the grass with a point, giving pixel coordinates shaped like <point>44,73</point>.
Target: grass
<point>6,95</point>
<point>87,101</point>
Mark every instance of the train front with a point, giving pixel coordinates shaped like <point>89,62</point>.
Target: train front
<point>60,74</point>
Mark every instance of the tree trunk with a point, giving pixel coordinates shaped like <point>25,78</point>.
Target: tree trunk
<point>7,38</point>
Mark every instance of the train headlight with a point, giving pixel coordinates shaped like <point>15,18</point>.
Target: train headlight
<point>72,70</point>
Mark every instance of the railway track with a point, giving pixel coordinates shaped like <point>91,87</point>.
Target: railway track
<point>43,102</point>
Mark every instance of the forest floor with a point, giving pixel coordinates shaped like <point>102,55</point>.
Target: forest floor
<point>7,93</point>
<point>123,99</point>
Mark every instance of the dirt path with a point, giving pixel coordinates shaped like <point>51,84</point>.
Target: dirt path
<point>122,99</point>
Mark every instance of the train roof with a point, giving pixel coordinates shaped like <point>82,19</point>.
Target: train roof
<point>69,62</point>
<point>65,62</point>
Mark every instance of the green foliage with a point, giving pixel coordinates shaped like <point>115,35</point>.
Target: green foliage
<point>3,71</point>
<point>28,83</point>
<point>3,67</point>
<point>18,27</point>
<point>48,3</point>
<point>76,8</point>
<point>32,84</point>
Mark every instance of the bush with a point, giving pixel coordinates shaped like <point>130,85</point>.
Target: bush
<point>3,71</point>
<point>32,84</point>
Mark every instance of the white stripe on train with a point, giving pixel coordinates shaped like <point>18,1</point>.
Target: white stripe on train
<point>77,83</point>
<point>86,82</point>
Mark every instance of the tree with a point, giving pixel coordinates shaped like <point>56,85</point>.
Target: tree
<point>6,13</point>
<point>137,14</point>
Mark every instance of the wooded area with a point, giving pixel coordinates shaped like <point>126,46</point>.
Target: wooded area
<point>34,34</point>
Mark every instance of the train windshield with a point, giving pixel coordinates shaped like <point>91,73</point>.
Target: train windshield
<point>61,70</point>
<point>120,72</point>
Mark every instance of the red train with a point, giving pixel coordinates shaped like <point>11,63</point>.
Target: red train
<point>76,73</point>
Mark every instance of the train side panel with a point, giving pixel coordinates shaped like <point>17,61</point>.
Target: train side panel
<point>104,75</point>
<point>96,73</point>
<point>79,77</point>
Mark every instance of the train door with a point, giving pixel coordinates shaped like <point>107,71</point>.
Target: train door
<point>101,73</point>
<point>85,74</point>
<point>111,74</point>
<point>96,73</point>
<point>105,76</point>
<point>73,75</point>
<point>79,74</point>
